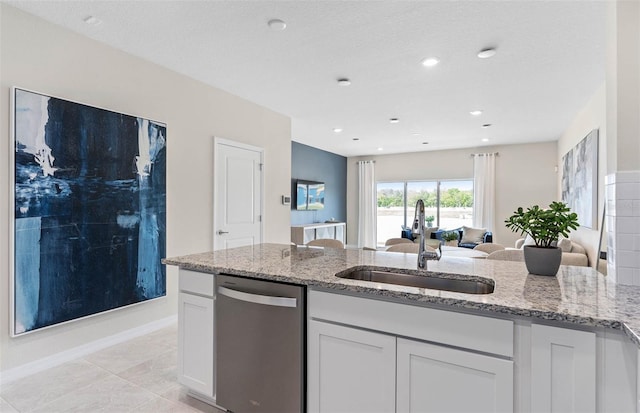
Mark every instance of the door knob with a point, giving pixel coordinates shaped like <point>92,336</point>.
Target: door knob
<point>220,232</point>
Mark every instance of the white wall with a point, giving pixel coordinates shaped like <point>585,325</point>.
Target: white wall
<point>623,141</point>
<point>40,56</point>
<point>525,175</point>
<point>592,116</point>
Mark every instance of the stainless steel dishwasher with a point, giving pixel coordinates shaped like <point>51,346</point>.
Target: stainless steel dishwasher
<point>260,346</point>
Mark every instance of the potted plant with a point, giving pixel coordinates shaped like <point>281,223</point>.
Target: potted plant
<point>450,238</point>
<point>544,226</point>
<point>429,220</point>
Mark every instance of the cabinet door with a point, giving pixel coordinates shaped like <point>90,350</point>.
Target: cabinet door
<point>433,378</point>
<point>195,343</point>
<point>340,230</point>
<point>309,235</point>
<point>325,232</point>
<point>350,370</point>
<point>563,370</point>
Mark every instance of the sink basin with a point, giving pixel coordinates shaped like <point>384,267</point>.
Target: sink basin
<point>458,285</point>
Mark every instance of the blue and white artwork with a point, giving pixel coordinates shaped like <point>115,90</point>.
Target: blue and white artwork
<point>90,210</point>
<point>580,180</point>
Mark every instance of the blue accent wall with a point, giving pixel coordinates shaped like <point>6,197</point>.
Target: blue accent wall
<point>312,164</point>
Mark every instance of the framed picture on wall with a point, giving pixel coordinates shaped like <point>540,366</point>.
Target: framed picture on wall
<point>89,210</point>
<point>309,195</point>
<point>301,196</point>
<point>580,180</point>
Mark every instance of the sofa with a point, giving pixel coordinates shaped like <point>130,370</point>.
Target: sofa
<point>487,237</point>
<point>572,252</point>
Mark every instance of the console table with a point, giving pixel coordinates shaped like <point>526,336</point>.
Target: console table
<point>301,234</point>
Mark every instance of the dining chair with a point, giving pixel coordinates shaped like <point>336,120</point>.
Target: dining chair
<point>326,243</point>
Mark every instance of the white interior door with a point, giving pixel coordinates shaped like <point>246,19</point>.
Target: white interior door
<point>237,195</point>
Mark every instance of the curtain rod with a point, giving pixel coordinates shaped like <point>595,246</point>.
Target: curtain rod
<point>484,154</point>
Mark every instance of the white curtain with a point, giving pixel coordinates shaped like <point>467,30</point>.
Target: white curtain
<point>367,204</point>
<point>484,190</point>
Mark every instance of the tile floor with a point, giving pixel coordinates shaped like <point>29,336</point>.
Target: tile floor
<point>136,376</point>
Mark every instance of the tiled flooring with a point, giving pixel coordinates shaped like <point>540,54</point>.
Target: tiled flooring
<point>136,376</point>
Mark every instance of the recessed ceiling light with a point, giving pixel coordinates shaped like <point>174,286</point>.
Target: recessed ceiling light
<point>344,81</point>
<point>430,61</point>
<point>425,143</point>
<point>92,20</point>
<point>487,53</point>
<point>485,139</point>
<point>337,130</point>
<point>277,25</point>
<point>380,149</point>
<point>394,120</point>
<point>356,139</point>
<point>476,112</point>
<point>416,134</point>
<point>486,125</point>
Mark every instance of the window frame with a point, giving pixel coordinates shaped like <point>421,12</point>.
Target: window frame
<point>438,182</point>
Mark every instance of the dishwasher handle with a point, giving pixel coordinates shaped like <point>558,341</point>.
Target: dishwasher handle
<point>257,298</point>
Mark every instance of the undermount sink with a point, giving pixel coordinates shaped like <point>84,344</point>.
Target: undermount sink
<point>458,285</point>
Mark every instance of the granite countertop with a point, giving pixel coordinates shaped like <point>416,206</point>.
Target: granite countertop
<point>578,295</point>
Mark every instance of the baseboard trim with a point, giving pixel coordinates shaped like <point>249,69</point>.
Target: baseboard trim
<point>45,363</point>
<point>205,399</point>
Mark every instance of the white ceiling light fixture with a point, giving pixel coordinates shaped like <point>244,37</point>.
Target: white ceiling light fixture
<point>92,20</point>
<point>394,120</point>
<point>343,81</point>
<point>487,53</point>
<point>277,25</point>
<point>380,148</point>
<point>476,112</point>
<point>337,130</point>
<point>430,61</point>
<point>485,139</point>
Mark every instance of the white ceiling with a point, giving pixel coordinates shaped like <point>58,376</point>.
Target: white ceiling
<point>550,60</point>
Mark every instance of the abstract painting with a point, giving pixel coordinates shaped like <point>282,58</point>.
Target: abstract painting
<point>89,210</point>
<point>580,180</point>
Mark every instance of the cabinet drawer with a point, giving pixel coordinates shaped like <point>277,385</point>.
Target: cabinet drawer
<point>485,334</point>
<point>196,282</point>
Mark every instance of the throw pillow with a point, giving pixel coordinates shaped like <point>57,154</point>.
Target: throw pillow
<point>428,231</point>
<point>565,244</point>
<point>528,241</point>
<point>472,235</point>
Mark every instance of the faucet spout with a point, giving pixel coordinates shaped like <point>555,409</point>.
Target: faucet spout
<point>423,255</point>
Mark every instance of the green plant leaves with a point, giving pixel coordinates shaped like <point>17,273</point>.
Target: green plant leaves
<point>544,225</point>
<point>450,235</point>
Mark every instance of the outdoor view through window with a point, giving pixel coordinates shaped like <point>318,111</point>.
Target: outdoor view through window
<point>450,203</point>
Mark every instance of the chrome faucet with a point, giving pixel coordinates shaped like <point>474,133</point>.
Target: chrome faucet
<point>418,224</point>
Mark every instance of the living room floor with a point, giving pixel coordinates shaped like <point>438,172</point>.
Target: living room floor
<point>135,376</point>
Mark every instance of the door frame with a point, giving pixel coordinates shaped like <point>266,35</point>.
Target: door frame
<point>217,141</point>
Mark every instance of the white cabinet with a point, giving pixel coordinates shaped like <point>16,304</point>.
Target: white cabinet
<point>350,370</point>
<point>433,378</point>
<point>367,364</point>
<point>301,234</point>
<point>563,370</point>
<point>195,333</point>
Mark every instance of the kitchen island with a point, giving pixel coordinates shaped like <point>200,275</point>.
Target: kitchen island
<point>576,330</point>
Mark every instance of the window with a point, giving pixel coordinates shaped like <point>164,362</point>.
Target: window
<point>391,210</point>
<point>450,203</point>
